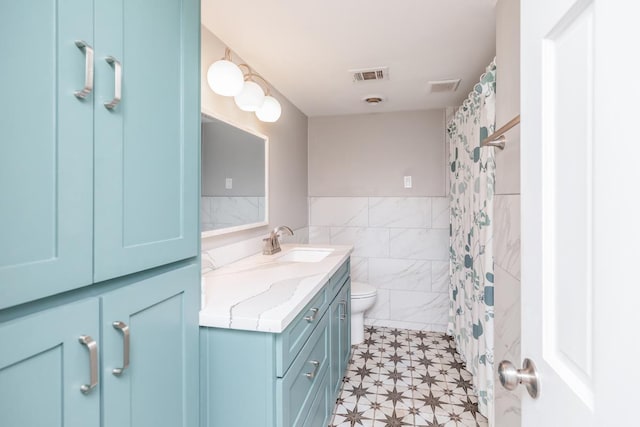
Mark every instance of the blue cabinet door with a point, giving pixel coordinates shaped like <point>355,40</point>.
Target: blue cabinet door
<point>340,335</point>
<point>345,327</point>
<point>43,365</point>
<point>159,387</point>
<point>146,147</point>
<point>46,149</point>
<point>335,311</point>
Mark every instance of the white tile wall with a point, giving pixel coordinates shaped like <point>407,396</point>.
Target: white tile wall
<point>401,246</point>
<point>507,300</point>
<point>359,268</point>
<point>419,307</point>
<point>353,211</point>
<point>425,243</point>
<point>440,212</point>
<point>320,235</point>
<point>440,276</point>
<point>405,212</point>
<point>400,274</point>
<point>368,242</point>
<point>220,212</point>
<point>507,342</point>
<point>506,238</point>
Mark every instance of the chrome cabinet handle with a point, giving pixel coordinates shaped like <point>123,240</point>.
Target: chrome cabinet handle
<point>311,375</point>
<point>343,315</point>
<point>88,69</point>
<point>314,314</point>
<point>117,97</point>
<point>92,346</point>
<point>122,327</point>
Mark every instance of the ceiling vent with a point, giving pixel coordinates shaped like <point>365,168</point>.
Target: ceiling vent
<point>370,74</point>
<point>444,86</point>
<point>373,99</point>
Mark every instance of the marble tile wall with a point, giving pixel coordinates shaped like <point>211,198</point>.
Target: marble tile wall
<point>221,212</point>
<point>507,301</point>
<point>401,246</point>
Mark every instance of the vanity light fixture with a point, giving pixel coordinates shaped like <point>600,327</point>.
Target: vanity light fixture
<point>251,97</point>
<point>270,111</point>
<point>224,77</point>
<point>249,94</point>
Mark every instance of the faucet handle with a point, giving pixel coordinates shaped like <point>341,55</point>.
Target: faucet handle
<point>282,228</point>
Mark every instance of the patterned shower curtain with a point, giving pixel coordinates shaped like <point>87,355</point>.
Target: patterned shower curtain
<point>471,234</point>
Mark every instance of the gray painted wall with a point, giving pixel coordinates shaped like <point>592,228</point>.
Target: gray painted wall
<point>507,209</point>
<point>369,154</point>
<point>229,152</point>
<point>287,151</point>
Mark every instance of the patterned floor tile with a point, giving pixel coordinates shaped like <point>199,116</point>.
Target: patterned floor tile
<point>399,377</point>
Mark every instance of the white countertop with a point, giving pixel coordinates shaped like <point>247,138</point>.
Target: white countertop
<point>260,293</point>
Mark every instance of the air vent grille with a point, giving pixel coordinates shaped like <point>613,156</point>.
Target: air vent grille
<point>444,86</point>
<point>370,74</point>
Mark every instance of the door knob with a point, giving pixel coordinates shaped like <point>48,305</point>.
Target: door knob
<point>510,376</point>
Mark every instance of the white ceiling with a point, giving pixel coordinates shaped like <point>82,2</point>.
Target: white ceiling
<point>304,48</point>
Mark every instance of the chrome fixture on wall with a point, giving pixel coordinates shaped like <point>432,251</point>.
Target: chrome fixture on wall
<point>227,79</point>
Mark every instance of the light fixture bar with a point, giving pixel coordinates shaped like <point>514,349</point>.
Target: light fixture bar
<point>251,95</point>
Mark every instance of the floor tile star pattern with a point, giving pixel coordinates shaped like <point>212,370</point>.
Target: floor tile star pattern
<point>398,377</point>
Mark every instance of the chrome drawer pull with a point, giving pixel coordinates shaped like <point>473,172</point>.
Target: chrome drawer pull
<point>311,375</point>
<point>122,327</point>
<point>343,315</point>
<point>117,67</point>
<point>92,346</point>
<point>314,314</point>
<point>88,70</point>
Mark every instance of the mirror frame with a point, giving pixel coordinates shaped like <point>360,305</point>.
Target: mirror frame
<point>228,230</point>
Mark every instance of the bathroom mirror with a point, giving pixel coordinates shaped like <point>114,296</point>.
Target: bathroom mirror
<point>234,177</point>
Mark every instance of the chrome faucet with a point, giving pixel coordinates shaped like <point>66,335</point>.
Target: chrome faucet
<point>271,243</point>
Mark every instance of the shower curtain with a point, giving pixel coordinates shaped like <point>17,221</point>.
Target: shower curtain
<point>471,251</point>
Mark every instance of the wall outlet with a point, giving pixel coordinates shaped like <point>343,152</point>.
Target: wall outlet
<point>228,183</point>
<point>407,182</point>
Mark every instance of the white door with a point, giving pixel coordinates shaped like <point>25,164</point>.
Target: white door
<point>580,155</point>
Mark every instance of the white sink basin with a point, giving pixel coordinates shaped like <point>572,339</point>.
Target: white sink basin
<point>306,255</point>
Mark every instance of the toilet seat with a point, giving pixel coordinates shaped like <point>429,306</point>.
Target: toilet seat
<point>362,290</point>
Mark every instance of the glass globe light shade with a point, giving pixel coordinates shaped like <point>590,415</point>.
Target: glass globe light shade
<point>225,78</point>
<point>251,97</point>
<point>270,110</point>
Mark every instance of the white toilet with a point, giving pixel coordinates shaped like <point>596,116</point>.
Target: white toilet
<point>363,296</point>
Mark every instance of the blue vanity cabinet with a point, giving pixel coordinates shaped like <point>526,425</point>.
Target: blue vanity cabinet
<point>287,379</point>
<point>159,386</point>
<point>98,196</point>
<point>43,365</point>
<point>91,193</point>
<point>46,150</point>
<point>146,147</point>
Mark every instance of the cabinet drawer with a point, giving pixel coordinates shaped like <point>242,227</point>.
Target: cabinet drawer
<point>292,339</point>
<point>338,279</point>
<point>296,391</point>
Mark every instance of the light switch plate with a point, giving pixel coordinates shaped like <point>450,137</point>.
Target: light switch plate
<point>407,182</point>
<point>228,183</point>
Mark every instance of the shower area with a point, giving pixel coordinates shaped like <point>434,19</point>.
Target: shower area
<point>484,314</point>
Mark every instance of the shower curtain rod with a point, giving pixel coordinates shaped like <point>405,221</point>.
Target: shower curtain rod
<point>497,139</point>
